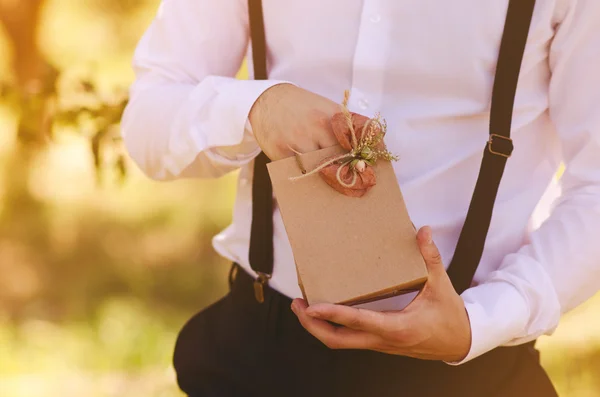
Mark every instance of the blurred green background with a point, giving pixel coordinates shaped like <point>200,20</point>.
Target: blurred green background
<point>99,266</point>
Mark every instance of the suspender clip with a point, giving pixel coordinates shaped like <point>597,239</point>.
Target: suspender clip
<point>500,145</point>
<point>259,286</point>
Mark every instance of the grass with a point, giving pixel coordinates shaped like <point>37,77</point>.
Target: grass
<point>124,352</point>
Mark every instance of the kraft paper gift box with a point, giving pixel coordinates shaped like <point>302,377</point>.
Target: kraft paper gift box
<point>348,250</point>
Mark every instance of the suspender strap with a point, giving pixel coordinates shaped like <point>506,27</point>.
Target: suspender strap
<point>257,36</point>
<point>261,234</point>
<point>497,150</point>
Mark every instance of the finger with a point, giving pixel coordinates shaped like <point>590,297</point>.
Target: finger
<point>308,146</point>
<point>327,138</point>
<point>333,337</point>
<point>358,319</point>
<point>326,142</point>
<point>297,148</point>
<point>430,252</point>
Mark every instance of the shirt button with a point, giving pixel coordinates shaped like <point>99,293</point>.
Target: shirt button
<point>363,103</point>
<point>375,18</point>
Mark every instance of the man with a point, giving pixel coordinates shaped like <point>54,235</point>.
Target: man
<point>428,67</point>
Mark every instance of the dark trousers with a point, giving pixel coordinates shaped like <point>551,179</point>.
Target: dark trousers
<point>238,347</point>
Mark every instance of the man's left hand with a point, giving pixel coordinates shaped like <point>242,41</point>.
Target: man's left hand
<point>434,326</point>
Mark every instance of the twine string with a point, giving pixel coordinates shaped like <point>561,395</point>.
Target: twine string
<point>338,176</point>
<point>325,164</point>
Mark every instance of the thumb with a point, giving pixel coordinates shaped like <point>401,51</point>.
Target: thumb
<point>430,252</point>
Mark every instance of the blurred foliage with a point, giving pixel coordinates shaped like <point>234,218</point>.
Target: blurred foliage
<point>99,266</point>
<point>97,272</point>
<point>100,118</point>
<point>84,110</point>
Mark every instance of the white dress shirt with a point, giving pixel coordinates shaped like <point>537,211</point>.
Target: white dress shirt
<point>428,67</point>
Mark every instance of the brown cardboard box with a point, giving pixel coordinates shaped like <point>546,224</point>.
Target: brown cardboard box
<point>347,250</point>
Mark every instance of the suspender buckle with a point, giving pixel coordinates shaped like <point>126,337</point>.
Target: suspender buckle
<point>259,286</point>
<point>500,145</point>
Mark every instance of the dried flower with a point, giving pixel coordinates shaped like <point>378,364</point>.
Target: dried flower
<point>367,153</point>
<point>361,166</point>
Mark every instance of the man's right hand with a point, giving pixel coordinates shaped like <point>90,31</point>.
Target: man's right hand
<point>287,117</point>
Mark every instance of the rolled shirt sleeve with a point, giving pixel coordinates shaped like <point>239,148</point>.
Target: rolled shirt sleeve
<point>188,115</point>
<point>559,267</point>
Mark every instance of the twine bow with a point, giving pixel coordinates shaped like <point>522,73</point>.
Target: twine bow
<point>352,173</point>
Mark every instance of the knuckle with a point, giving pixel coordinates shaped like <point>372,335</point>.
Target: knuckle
<point>355,321</point>
<point>372,319</point>
<point>318,117</point>
<point>402,335</point>
<point>282,146</point>
<point>436,256</point>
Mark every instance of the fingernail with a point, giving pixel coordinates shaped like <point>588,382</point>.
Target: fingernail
<point>314,314</point>
<point>294,306</point>
<point>429,235</point>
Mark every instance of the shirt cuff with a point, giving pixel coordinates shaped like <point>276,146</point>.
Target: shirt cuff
<point>497,313</point>
<point>237,155</point>
<point>219,130</point>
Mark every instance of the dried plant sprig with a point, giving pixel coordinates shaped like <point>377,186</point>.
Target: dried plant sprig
<point>348,117</point>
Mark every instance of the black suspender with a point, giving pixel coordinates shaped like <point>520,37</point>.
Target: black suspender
<point>261,235</point>
<point>497,150</point>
